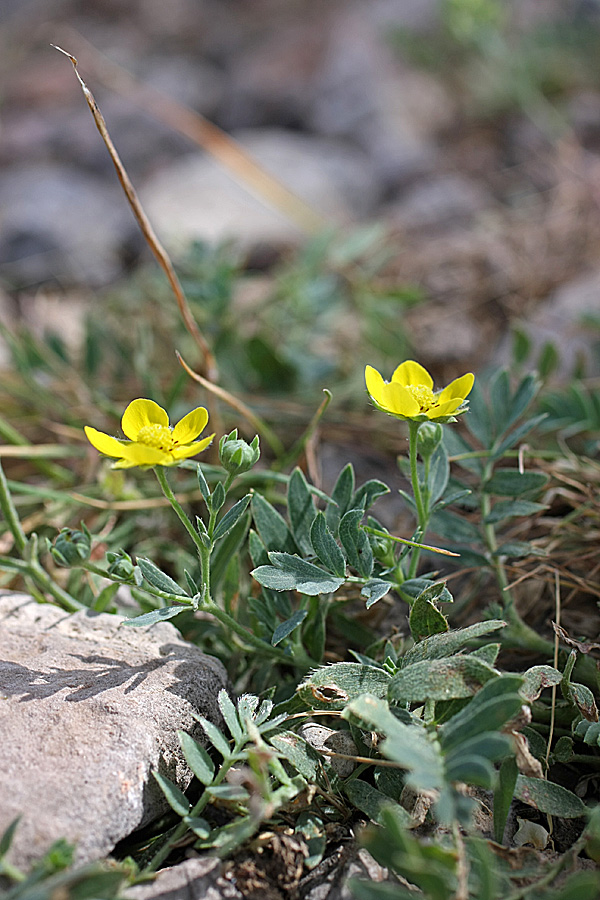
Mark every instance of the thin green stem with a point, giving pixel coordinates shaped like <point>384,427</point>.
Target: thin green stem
<point>10,514</point>
<point>161,475</point>
<point>422,513</point>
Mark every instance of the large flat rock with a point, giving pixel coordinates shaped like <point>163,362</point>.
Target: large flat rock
<point>87,709</point>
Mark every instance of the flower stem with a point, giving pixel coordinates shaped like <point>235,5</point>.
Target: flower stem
<point>422,513</point>
<point>161,475</point>
<point>10,514</point>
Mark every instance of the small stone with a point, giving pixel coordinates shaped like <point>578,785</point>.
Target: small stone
<point>326,739</point>
<point>87,709</point>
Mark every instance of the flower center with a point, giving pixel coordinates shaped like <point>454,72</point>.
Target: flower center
<point>158,436</point>
<point>423,395</point>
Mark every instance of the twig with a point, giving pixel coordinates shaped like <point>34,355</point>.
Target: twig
<point>209,363</point>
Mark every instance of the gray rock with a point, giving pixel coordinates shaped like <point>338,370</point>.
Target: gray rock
<point>195,198</point>
<point>60,224</point>
<point>194,879</point>
<point>87,709</point>
<point>440,202</point>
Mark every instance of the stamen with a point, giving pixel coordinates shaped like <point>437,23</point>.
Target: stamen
<point>158,436</point>
<point>424,396</point>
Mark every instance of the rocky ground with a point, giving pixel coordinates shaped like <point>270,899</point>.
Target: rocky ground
<point>490,202</point>
<point>493,212</point>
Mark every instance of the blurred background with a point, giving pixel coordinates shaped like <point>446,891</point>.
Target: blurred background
<point>441,158</point>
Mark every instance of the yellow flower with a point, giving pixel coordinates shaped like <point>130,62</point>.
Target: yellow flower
<point>152,442</point>
<point>410,394</point>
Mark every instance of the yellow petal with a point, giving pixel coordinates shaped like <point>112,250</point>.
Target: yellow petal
<point>411,372</point>
<point>140,413</point>
<point>393,397</point>
<point>460,387</point>
<point>143,455</point>
<point>190,449</point>
<point>110,446</point>
<point>444,409</point>
<point>188,428</point>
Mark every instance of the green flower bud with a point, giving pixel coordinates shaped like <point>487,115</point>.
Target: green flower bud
<point>71,547</point>
<point>236,455</point>
<point>429,437</point>
<point>120,565</point>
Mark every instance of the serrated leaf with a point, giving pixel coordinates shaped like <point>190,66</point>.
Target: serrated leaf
<point>271,526</point>
<point>286,628</point>
<point>230,716</point>
<point>301,510</point>
<point>215,735</point>
<point>441,645</point>
<point>440,679</point>
<point>375,590</point>
<point>549,798</point>
<point>512,483</point>
<point>231,517</point>
<point>175,798</point>
<point>331,687</point>
<point>425,619</point>
<point>292,573</point>
<point>158,578</point>
<point>197,758</point>
<point>326,548</point>
<point>157,615</point>
<point>370,801</point>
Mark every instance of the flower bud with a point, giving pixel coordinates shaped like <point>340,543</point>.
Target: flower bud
<point>120,565</point>
<point>236,455</point>
<point>71,547</point>
<point>429,437</point>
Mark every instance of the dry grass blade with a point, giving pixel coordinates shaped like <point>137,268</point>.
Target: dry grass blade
<point>209,364</point>
<point>237,161</point>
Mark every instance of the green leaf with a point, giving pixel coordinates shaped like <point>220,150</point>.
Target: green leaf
<point>500,400</point>
<point>370,801</point>
<point>271,526</point>
<point>300,754</point>
<point>286,628</point>
<point>368,493</point>
<point>215,735</point>
<point>7,837</point>
<point>518,550</point>
<point>503,795</point>
<point>488,653</point>
<point>489,710</point>
<point>439,473</point>
<point>157,615</point>
<point>175,798</point>
<point>408,745</point>
<point>512,483</point>
<point>292,573</point>
<point>549,798</point>
<point>331,687</point>
<point>203,485</point>
<point>426,619</point>
<point>522,397</point>
<point>301,510</point>
<point>441,645</point>
<point>582,698</point>
<point>536,679</point>
<point>471,770</point>
<point>230,716</point>
<point>517,435</point>
<point>234,793</point>
<point>231,517</point>
<point>454,527</point>
<point>197,758</point>
<point>159,579</point>
<point>342,495</point>
<point>508,509</point>
<point>415,587</point>
<point>227,549</point>
<point>356,543</point>
<point>479,421</point>
<point>375,590</point>
<point>326,548</point>
<point>440,679</point>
